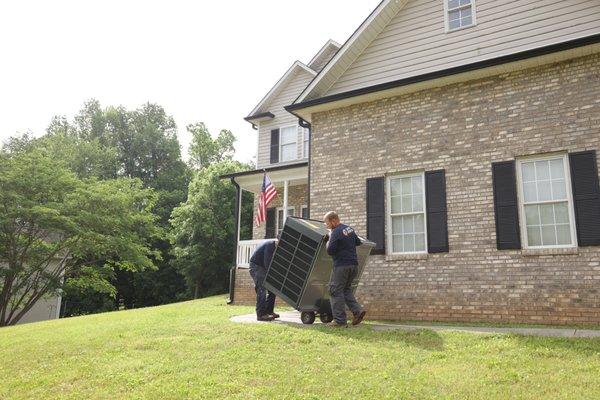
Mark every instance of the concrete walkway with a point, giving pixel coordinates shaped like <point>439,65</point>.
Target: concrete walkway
<point>293,318</point>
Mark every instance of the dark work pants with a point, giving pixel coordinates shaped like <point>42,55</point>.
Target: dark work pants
<point>340,289</point>
<point>265,300</point>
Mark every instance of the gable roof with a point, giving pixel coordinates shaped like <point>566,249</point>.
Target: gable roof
<point>354,46</point>
<point>258,112</point>
<point>324,55</point>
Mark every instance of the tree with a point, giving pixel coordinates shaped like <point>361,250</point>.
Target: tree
<point>86,157</point>
<point>143,144</point>
<point>204,150</point>
<point>202,229</point>
<point>49,214</point>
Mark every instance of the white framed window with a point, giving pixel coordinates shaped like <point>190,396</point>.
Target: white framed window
<point>546,217</point>
<point>406,217</point>
<point>304,212</point>
<point>280,221</point>
<point>305,139</point>
<point>288,143</point>
<point>459,14</point>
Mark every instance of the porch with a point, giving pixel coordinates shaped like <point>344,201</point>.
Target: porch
<point>245,249</point>
<point>291,182</point>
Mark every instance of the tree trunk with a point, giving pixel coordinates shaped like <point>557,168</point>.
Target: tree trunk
<point>197,289</point>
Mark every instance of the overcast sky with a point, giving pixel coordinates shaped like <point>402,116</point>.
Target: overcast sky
<point>209,61</point>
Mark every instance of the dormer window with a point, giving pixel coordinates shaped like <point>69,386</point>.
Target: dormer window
<point>459,14</point>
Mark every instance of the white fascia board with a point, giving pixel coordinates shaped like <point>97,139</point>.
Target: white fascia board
<point>294,176</point>
<point>280,82</point>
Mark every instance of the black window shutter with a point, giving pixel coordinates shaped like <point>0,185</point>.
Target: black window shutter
<point>376,214</point>
<point>274,146</point>
<point>506,205</point>
<point>437,213</point>
<point>586,196</point>
<point>270,224</point>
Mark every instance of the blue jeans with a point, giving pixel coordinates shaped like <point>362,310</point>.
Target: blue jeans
<point>340,290</point>
<point>265,300</point>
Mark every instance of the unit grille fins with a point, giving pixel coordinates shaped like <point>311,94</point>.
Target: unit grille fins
<point>291,263</point>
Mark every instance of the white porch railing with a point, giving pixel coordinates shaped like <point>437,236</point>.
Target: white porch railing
<point>245,249</point>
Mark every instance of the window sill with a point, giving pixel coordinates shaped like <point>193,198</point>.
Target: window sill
<point>448,30</point>
<point>549,252</point>
<point>401,257</point>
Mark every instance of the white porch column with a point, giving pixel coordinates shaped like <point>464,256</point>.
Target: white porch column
<point>285,200</point>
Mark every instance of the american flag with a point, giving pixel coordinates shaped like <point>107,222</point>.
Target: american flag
<point>267,193</point>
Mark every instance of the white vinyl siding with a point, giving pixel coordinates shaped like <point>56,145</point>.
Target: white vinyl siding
<point>545,204</point>
<point>407,232</point>
<point>415,42</point>
<point>286,96</point>
<point>459,14</point>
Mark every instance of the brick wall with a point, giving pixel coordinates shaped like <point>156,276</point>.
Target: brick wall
<point>463,128</point>
<point>244,290</point>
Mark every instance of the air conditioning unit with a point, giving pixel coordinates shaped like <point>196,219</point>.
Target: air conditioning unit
<point>301,268</point>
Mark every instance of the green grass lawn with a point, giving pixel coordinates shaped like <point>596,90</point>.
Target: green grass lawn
<point>192,350</point>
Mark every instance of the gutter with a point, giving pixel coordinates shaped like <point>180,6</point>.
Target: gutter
<point>254,117</point>
<point>267,114</point>
<point>263,170</point>
<point>523,55</point>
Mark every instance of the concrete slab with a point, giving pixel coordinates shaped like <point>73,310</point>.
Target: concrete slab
<point>293,318</point>
<point>480,330</point>
<point>588,333</point>
<point>287,317</point>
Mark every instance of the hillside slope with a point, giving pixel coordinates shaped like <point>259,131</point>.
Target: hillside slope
<point>192,350</point>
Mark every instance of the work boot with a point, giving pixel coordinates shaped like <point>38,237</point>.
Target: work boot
<point>265,318</point>
<point>335,324</point>
<point>358,318</point>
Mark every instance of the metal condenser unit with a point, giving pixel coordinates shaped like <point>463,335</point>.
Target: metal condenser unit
<point>301,268</point>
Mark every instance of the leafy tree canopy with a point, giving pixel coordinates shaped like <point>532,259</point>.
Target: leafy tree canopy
<point>53,223</point>
<point>202,229</point>
<point>204,150</point>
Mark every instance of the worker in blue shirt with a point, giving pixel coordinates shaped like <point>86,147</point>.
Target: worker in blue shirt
<point>341,246</point>
<point>259,264</point>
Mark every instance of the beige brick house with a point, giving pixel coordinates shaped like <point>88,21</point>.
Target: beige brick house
<point>461,137</point>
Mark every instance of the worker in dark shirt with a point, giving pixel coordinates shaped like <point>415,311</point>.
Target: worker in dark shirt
<point>259,264</point>
<point>341,246</point>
